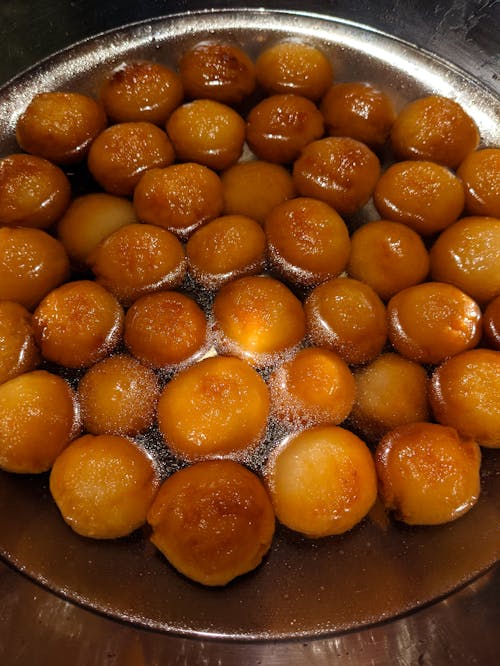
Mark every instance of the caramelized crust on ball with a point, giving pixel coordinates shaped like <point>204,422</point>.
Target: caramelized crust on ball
<point>226,248</point>
<point>138,259</point>
<point>118,396</point>
<point>78,324</point>
<point>33,191</point>
<point>218,406</point>
<point>428,474</point>
<point>480,174</point>
<point>425,196</point>
<point>103,486</point>
<point>38,418</point>
<point>180,197</point>
<point>322,481</point>
<point>491,323</point>
<point>258,318</point>
<point>313,387</point>
<point>18,350</point>
<point>142,91</point>
<point>348,317</point>
<point>279,127</point>
<point>294,67</point>
<point>465,394</point>
<point>434,128</point>
<point>60,126</point>
<point>467,255</point>
<point>32,263</point>
<point>217,70</point>
<point>213,521</point>
<point>207,132</point>
<point>341,171</point>
<point>165,329</point>
<point>255,188</point>
<point>432,321</point>
<point>307,241</point>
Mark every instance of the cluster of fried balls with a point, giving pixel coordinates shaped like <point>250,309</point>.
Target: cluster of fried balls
<point>217,285</point>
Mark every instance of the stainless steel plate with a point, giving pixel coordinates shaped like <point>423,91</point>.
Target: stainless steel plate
<point>304,588</point>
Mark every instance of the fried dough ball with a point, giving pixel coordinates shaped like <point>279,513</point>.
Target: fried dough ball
<point>322,481</point>
<point>390,391</point>
<point>359,110</point>
<point>103,485</point>
<point>279,127</point>
<point>38,418</point>
<point>90,219</point>
<point>118,396</point>
<point>467,255</point>
<point>138,259</point>
<point>255,188</point>
<point>78,324</point>
<point>213,521</point>
<point>217,70</point>
<point>18,350</point>
<point>491,323</point>
<point>226,248</point>
<point>434,128</point>
<point>180,197</point>
<point>33,191</point>
<point>432,321</point>
<point>428,474</point>
<point>294,67</point>
<point>122,153</point>
<point>258,319</point>
<point>32,263</point>
<point>218,406</point>
<point>388,256</point>
<point>340,171</point>
<point>60,126</point>
<point>142,91</point>
<point>425,196</point>
<point>480,174</point>
<point>165,329</point>
<point>465,394</point>
<point>314,387</point>
<point>348,317</point>
<point>207,132</point>
<point>307,241</point>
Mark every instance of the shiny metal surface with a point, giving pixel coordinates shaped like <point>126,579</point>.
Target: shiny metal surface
<point>428,636</point>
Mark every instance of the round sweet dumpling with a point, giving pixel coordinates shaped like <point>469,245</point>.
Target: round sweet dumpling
<point>258,318</point>
<point>217,70</point>
<point>428,474</point>
<point>322,481</point>
<point>480,174</point>
<point>33,191</point>
<point>218,406</point>
<point>32,263</point>
<point>18,350</point>
<point>432,321</point>
<point>103,486</point>
<point>348,317</point>
<point>166,329</point>
<point>434,128</point>
<point>60,126</point>
<point>141,91</point>
<point>78,324</point>
<point>213,521</point>
<point>307,241</point>
<point>390,391</point>
<point>38,419</point>
<point>138,259</point>
<point>313,387</point>
<point>465,394</point>
<point>491,323</point>
<point>89,219</point>
<point>340,171</point>
<point>118,396</point>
